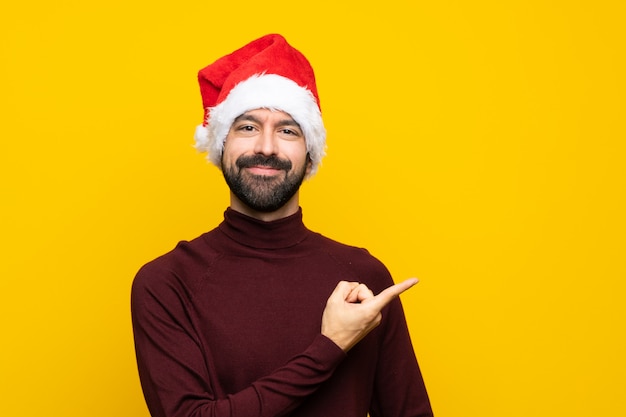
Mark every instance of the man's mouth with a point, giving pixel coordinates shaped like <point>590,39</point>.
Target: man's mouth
<point>263,170</point>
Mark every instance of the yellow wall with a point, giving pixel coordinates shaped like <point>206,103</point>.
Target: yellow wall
<point>476,144</point>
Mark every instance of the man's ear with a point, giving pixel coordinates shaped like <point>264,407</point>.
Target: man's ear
<point>309,164</point>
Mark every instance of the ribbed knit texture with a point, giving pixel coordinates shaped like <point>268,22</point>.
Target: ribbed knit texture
<point>228,324</point>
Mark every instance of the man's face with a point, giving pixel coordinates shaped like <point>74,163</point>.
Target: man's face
<point>265,159</point>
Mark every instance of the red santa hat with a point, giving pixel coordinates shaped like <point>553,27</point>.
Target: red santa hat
<point>266,73</point>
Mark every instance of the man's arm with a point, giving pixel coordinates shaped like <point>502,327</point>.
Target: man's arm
<point>177,380</point>
<point>399,389</point>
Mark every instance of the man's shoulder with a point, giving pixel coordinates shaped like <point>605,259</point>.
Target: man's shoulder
<point>355,258</point>
<point>187,259</point>
<point>342,249</point>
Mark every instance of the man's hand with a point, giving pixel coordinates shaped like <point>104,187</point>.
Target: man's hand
<point>352,311</point>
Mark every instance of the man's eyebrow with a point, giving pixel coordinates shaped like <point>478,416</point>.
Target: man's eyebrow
<point>281,123</point>
<point>288,122</point>
<point>248,117</point>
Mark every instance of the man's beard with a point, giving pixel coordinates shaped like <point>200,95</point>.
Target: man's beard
<point>263,193</point>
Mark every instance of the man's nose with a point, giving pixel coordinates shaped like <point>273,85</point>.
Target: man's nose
<point>266,143</point>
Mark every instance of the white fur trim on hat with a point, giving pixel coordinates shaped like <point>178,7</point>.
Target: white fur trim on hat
<point>269,91</point>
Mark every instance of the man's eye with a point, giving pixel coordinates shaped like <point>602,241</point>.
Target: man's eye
<point>289,132</point>
<point>246,128</point>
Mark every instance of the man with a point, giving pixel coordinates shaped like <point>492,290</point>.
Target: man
<point>261,316</point>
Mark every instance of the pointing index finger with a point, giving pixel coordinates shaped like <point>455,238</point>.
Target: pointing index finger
<point>388,294</point>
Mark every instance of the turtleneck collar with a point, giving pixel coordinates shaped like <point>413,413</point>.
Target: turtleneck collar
<point>277,234</point>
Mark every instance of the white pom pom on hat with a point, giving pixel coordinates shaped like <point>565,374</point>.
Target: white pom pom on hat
<point>266,73</point>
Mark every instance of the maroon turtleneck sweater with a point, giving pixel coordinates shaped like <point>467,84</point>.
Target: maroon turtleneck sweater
<point>228,324</point>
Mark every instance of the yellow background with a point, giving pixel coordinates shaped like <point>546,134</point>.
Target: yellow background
<point>478,145</point>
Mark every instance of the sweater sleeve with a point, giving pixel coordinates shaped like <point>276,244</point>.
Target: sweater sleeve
<point>175,374</point>
<point>399,389</point>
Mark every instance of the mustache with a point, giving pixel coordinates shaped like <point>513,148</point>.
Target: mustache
<point>247,161</point>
